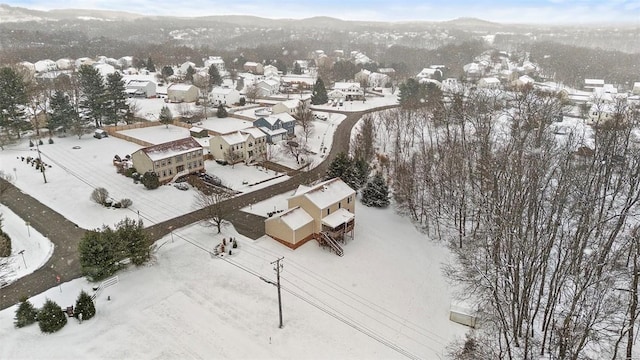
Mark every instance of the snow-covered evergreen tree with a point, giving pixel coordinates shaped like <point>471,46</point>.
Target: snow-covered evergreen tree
<point>85,306</point>
<point>25,315</point>
<point>51,318</point>
<point>376,193</point>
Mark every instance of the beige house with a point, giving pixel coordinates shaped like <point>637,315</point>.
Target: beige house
<point>177,93</point>
<point>170,159</point>
<point>289,106</point>
<point>325,212</point>
<point>253,67</point>
<point>246,145</point>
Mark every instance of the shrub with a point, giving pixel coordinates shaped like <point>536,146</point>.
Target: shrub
<point>50,141</point>
<point>40,142</point>
<point>5,244</point>
<point>100,195</point>
<point>31,144</point>
<point>26,314</point>
<point>117,205</point>
<point>235,244</point>
<point>242,101</point>
<point>150,180</point>
<point>130,171</point>
<point>126,203</point>
<point>85,306</point>
<point>51,318</point>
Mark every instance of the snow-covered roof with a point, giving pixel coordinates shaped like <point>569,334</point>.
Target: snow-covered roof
<point>270,132</point>
<point>337,218</point>
<point>139,82</point>
<point>294,218</point>
<point>593,81</point>
<point>345,86</point>
<point>491,80</point>
<point>427,72</point>
<point>222,90</point>
<point>270,82</point>
<point>326,193</point>
<point>290,104</point>
<point>255,132</point>
<point>195,129</point>
<point>234,138</point>
<point>180,87</point>
<point>251,64</point>
<point>171,148</point>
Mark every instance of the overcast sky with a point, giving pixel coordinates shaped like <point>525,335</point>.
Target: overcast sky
<point>506,11</point>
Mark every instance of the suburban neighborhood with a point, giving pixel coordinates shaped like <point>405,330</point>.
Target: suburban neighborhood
<point>333,202</point>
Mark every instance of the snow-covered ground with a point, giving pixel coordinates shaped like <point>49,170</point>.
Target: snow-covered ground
<point>352,106</point>
<point>387,288</point>
<point>36,249</point>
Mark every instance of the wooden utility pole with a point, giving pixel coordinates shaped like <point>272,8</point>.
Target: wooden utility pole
<point>277,267</point>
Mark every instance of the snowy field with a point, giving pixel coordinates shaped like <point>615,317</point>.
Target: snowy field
<point>36,249</point>
<point>187,304</point>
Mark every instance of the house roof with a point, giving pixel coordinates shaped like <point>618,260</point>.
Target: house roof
<point>234,138</point>
<point>426,72</point>
<point>284,117</point>
<point>171,148</point>
<point>251,64</point>
<point>270,132</point>
<point>326,193</point>
<point>338,218</point>
<point>195,129</point>
<point>180,87</point>
<point>491,80</point>
<point>593,81</point>
<point>294,218</point>
<point>137,82</point>
<point>345,85</point>
<point>222,90</point>
<point>290,104</point>
<point>253,131</point>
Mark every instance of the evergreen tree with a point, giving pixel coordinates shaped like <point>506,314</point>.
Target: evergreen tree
<point>99,252</point>
<point>358,174</point>
<point>150,180</point>
<point>150,65</point>
<point>51,318</point>
<point>339,166</point>
<point>281,66</point>
<point>319,95</point>
<point>166,72</point>
<point>84,306</point>
<point>93,93</point>
<point>13,99</point>
<point>376,193</point>
<point>115,105</point>
<point>165,116</point>
<point>214,76</point>
<point>134,238</point>
<point>62,114</point>
<point>25,315</point>
<point>189,75</point>
<point>297,69</point>
<point>222,112</point>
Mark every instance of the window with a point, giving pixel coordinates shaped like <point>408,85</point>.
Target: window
<point>156,164</point>
<point>164,173</point>
<point>164,162</point>
<point>340,205</point>
<point>170,172</point>
<point>179,158</point>
<point>220,146</point>
<point>200,162</point>
<point>349,200</point>
<point>328,211</point>
<point>169,161</point>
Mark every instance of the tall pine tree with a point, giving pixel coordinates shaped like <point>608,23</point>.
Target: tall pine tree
<point>115,104</point>
<point>93,94</point>
<point>51,318</point>
<point>319,95</point>
<point>13,99</point>
<point>376,192</point>
<point>61,112</point>
<point>214,76</point>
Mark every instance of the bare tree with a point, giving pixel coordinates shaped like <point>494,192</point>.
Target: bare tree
<point>304,118</point>
<point>211,201</point>
<point>252,92</point>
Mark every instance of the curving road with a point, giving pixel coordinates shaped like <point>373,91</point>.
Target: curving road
<point>65,235</point>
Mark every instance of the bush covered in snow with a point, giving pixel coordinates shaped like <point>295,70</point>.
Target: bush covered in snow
<point>85,308</point>
<point>100,196</point>
<point>126,203</point>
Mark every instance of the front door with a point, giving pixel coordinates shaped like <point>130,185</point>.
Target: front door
<point>179,168</point>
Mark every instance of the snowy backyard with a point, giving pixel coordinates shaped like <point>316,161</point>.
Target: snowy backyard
<point>187,304</point>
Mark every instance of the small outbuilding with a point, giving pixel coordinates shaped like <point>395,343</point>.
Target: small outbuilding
<point>197,132</point>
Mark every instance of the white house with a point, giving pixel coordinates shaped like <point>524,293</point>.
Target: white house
<point>65,64</point>
<point>246,145</point>
<point>267,87</point>
<point>593,83</point>
<point>185,66</point>
<point>253,67</point>
<point>600,114</point>
<point>489,83</point>
<point>141,88</point>
<point>170,159</point>
<point>351,91</point>
<point>636,88</point>
<point>377,79</point>
<point>429,73</point>
<point>44,66</point>
<point>84,61</point>
<point>104,69</point>
<point>290,107</point>
<point>215,61</point>
<point>125,62</point>
<point>269,71</point>
<point>182,93</point>
<point>224,95</point>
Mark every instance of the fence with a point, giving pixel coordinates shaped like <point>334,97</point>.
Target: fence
<point>105,284</point>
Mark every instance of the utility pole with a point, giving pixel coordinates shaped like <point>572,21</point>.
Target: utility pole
<point>277,267</point>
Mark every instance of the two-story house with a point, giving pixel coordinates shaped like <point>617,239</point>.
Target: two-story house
<point>246,145</point>
<point>325,211</point>
<point>277,127</point>
<point>348,90</point>
<point>224,95</point>
<point>170,159</point>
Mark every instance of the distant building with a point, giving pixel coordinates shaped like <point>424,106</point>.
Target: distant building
<point>141,88</point>
<point>246,145</point>
<point>277,127</point>
<point>182,93</point>
<point>590,84</point>
<point>253,67</point>
<point>224,95</point>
